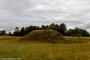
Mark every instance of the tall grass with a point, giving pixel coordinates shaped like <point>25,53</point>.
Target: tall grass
<point>44,51</point>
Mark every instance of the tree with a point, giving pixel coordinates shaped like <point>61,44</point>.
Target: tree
<point>17,29</point>
<point>78,32</point>
<point>3,32</point>
<point>54,27</point>
<point>9,33</point>
<point>51,26</point>
<point>22,31</point>
<point>44,27</point>
<point>17,32</point>
<point>85,33</point>
<point>62,28</point>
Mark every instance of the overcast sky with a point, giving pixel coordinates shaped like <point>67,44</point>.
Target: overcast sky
<point>37,12</point>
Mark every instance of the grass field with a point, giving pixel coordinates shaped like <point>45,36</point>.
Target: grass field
<point>70,49</point>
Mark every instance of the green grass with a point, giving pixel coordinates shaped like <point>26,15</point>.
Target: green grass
<point>70,49</point>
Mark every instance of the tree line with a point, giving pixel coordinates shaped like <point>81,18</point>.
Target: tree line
<point>61,28</point>
<point>2,32</point>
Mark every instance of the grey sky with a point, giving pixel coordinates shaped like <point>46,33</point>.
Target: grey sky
<point>37,12</point>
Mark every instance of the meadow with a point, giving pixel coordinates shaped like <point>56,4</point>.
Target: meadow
<point>73,48</point>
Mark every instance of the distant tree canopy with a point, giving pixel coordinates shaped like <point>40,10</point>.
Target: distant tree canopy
<point>77,32</point>
<point>2,32</point>
<point>62,28</point>
<point>17,31</point>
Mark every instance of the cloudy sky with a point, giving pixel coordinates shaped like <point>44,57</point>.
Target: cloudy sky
<point>37,12</point>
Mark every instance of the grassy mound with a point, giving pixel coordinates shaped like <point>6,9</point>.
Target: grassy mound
<point>43,35</point>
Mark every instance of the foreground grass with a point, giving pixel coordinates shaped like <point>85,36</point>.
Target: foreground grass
<point>71,49</point>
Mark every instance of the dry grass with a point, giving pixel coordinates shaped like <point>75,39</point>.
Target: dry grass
<point>43,35</point>
<point>11,47</point>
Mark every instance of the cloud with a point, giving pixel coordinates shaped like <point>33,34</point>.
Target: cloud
<point>37,12</point>
<point>14,7</point>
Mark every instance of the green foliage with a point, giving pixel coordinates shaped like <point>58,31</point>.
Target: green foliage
<point>9,33</point>
<point>22,31</point>
<point>2,32</point>
<point>62,28</point>
<point>44,27</point>
<point>16,32</point>
<point>77,32</point>
<point>53,27</point>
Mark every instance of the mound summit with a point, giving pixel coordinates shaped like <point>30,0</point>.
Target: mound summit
<point>45,35</point>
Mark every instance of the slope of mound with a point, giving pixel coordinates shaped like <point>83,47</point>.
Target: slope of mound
<point>45,35</point>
